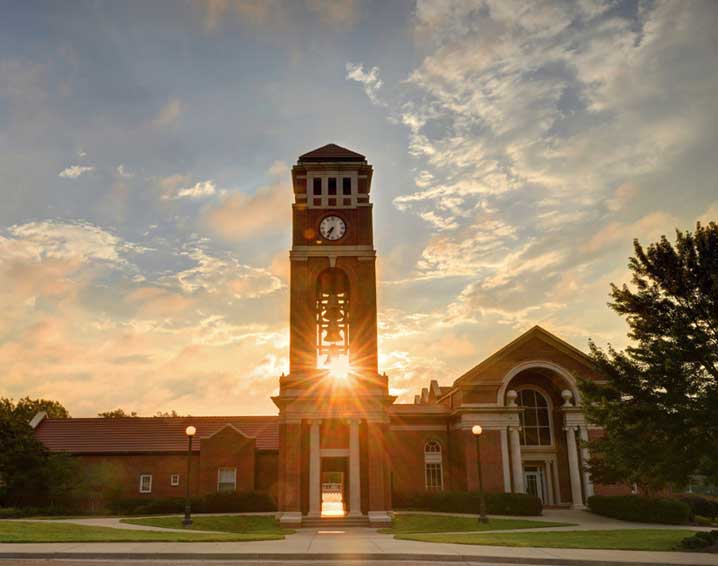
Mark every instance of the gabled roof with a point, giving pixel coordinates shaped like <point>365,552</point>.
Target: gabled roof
<point>332,152</point>
<point>148,434</point>
<point>534,332</point>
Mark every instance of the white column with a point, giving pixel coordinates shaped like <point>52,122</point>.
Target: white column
<point>585,457</point>
<point>517,468</point>
<point>505,459</point>
<point>549,481</point>
<point>574,468</point>
<point>315,465</point>
<point>354,469</point>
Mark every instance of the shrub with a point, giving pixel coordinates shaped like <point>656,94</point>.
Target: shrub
<point>468,502</point>
<point>641,509</point>
<point>701,541</point>
<point>20,512</point>
<point>700,506</point>
<point>242,502</point>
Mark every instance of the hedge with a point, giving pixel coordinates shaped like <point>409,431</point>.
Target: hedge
<point>242,502</point>
<point>700,506</point>
<point>468,502</point>
<point>701,541</point>
<point>640,508</point>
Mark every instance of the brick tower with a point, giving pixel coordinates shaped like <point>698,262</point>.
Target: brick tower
<point>332,405</point>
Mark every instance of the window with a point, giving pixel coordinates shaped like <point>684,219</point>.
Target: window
<point>346,186</point>
<point>145,483</point>
<point>535,418</point>
<point>174,480</point>
<point>332,185</point>
<point>226,480</point>
<point>317,184</point>
<point>433,472</point>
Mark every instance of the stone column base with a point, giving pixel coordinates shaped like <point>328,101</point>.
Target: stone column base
<point>290,519</point>
<point>578,506</point>
<point>379,518</point>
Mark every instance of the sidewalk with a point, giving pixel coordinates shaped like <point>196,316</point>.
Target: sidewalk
<point>361,544</point>
<point>357,544</point>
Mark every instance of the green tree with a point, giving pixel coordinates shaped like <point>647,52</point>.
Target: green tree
<point>31,474</point>
<point>658,405</point>
<point>25,409</point>
<point>116,414</point>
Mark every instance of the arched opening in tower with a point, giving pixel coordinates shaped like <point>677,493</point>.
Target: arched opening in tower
<point>332,312</point>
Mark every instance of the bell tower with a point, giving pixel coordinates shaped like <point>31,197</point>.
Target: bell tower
<point>333,280</point>
<point>332,404</point>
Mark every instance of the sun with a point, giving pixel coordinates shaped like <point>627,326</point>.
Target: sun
<point>339,367</point>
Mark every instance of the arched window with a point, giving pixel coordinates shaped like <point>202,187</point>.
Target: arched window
<point>433,469</point>
<point>535,418</point>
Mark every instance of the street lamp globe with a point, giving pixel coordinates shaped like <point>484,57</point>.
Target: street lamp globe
<point>476,430</point>
<point>190,431</point>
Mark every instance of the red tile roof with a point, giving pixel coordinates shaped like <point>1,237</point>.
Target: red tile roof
<point>332,152</point>
<point>147,434</point>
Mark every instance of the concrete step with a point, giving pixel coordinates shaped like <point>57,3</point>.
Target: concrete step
<point>334,522</point>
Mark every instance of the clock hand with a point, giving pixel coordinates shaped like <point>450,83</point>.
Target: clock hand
<point>330,231</point>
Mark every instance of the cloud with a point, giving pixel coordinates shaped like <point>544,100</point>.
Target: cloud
<point>169,114</point>
<point>279,16</point>
<point>240,215</point>
<point>370,79</point>
<point>74,171</point>
<point>198,190</point>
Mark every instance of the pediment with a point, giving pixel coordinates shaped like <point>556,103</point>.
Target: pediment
<point>534,345</point>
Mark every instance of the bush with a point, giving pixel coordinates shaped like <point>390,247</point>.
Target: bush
<point>701,541</point>
<point>641,509</point>
<point>20,512</point>
<point>468,502</point>
<point>700,506</point>
<point>242,502</point>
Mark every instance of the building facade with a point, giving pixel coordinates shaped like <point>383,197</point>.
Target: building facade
<point>340,444</point>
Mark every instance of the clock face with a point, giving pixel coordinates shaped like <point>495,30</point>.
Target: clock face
<point>332,228</point>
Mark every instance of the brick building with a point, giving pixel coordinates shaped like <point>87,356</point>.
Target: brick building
<point>340,445</point>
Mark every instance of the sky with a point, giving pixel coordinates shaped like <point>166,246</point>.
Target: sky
<point>145,155</point>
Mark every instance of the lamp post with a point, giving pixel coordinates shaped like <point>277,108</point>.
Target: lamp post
<point>476,430</point>
<point>190,431</point>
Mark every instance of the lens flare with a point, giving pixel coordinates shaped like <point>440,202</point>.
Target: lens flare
<point>338,367</point>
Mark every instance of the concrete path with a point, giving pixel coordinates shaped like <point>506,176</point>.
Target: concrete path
<point>364,544</point>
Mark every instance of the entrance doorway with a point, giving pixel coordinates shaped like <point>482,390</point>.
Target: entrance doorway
<point>333,487</point>
<point>534,481</point>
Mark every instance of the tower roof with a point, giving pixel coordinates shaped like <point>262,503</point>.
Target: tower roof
<point>332,152</point>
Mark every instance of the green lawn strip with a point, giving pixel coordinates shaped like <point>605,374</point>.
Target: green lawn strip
<point>41,531</point>
<point>223,523</point>
<point>625,539</point>
<point>424,523</point>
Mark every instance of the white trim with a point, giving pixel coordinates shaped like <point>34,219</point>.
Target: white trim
<point>149,488</point>
<point>435,428</point>
<point>234,477</point>
<point>174,480</point>
<point>334,452</point>
<point>513,372</point>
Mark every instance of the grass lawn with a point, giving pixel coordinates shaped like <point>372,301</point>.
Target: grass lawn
<point>626,539</point>
<point>224,523</point>
<point>42,531</point>
<point>423,523</point>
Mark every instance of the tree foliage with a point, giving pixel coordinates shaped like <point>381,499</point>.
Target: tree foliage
<point>117,414</point>
<point>31,475</point>
<point>659,404</point>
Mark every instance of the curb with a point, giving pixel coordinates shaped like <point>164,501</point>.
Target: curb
<point>314,557</point>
